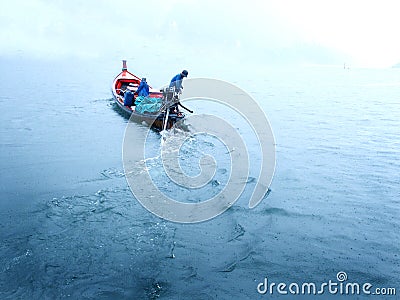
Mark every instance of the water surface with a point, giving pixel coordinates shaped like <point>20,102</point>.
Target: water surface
<point>70,227</point>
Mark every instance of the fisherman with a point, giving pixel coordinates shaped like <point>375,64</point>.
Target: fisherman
<point>176,81</point>
<point>143,89</point>
<point>128,98</point>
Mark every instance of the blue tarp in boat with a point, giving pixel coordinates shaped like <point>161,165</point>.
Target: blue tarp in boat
<point>147,104</point>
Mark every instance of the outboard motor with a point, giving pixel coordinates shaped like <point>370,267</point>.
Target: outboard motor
<point>169,94</point>
<point>171,99</point>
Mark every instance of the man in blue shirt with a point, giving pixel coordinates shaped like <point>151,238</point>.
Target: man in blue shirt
<point>176,81</point>
<point>143,89</point>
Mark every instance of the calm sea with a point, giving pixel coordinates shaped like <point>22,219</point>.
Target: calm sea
<point>70,227</point>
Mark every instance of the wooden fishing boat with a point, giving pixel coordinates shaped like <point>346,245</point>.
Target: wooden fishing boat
<point>127,81</point>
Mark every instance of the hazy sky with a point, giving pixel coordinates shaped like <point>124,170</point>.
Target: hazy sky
<point>308,31</point>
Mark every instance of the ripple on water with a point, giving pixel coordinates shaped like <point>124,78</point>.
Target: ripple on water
<point>96,245</point>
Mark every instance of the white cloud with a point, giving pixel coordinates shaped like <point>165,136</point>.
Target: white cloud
<point>364,30</point>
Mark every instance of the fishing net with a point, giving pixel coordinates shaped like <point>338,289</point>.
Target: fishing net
<point>147,104</point>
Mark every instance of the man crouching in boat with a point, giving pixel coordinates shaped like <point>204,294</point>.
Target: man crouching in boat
<point>176,82</point>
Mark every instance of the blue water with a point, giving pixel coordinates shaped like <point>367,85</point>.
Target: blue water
<point>70,227</point>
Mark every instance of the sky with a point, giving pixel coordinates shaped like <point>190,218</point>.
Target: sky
<point>359,33</point>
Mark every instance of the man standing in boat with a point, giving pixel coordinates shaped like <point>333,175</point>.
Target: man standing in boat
<point>176,82</point>
<point>143,89</point>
